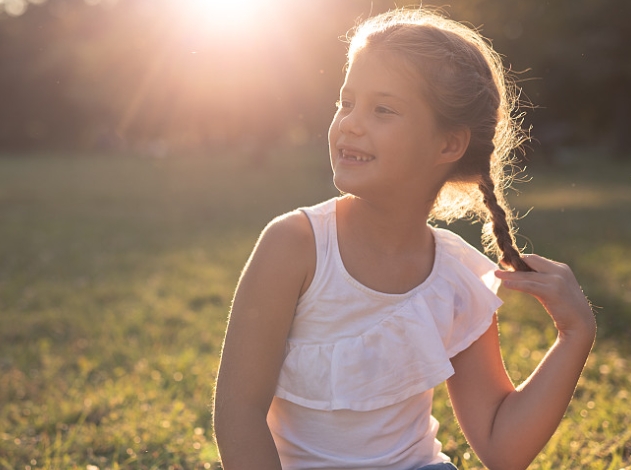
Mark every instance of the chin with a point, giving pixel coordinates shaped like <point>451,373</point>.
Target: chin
<point>351,186</point>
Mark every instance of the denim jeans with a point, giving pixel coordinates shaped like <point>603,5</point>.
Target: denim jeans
<point>440,466</point>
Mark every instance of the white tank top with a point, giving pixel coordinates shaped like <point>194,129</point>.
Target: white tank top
<point>355,389</point>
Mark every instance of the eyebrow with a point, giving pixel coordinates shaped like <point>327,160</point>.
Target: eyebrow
<point>381,94</point>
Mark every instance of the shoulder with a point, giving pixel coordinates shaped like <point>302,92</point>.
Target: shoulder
<point>457,247</point>
<point>288,243</point>
<point>295,230</point>
<point>291,231</point>
<point>452,241</point>
<point>464,263</point>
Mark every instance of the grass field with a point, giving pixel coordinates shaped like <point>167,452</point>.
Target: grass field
<point>116,276</point>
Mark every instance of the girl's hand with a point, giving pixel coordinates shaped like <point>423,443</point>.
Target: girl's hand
<point>555,287</point>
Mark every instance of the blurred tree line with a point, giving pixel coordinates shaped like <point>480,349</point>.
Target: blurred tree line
<point>157,76</point>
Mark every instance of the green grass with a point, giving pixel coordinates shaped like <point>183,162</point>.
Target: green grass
<point>116,276</point>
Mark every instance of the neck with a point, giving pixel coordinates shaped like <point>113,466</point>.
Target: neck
<point>389,227</point>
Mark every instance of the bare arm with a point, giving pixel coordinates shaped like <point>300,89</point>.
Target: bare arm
<point>278,271</point>
<point>508,427</point>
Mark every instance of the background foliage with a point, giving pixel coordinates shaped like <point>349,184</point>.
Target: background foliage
<point>156,76</point>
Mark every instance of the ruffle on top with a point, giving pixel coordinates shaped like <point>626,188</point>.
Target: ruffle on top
<point>403,347</point>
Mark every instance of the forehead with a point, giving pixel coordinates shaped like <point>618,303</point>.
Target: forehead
<point>382,72</point>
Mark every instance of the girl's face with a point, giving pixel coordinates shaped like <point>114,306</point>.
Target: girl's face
<point>384,139</point>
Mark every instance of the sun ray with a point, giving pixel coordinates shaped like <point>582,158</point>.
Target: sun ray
<point>225,17</point>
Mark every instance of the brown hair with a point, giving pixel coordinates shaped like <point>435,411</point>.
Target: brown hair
<point>463,79</point>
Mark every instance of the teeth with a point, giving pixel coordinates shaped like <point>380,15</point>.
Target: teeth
<point>359,158</point>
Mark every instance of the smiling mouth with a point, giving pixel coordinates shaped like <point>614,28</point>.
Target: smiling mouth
<point>355,156</point>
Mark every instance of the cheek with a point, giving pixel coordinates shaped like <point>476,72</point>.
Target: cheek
<point>333,129</point>
<point>334,135</point>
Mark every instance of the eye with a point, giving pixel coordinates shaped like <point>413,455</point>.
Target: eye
<point>384,110</point>
<point>343,104</point>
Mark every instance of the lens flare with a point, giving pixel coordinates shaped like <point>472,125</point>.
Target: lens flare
<point>224,16</point>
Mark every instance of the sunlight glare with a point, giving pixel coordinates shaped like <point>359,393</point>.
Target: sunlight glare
<point>225,15</point>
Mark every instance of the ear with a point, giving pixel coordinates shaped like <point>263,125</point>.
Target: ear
<point>455,144</point>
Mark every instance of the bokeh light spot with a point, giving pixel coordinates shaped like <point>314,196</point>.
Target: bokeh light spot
<point>14,7</point>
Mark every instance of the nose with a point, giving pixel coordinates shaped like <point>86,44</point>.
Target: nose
<point>351,123</point>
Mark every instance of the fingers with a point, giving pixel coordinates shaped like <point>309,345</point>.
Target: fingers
<point>538,263</point>
<point>541,264</point>
<point>555,286</point>
<point>549,278</point>
<point>529,284</point>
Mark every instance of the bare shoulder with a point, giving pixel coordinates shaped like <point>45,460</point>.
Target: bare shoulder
<point>293,228</point>
<point>288,243</point>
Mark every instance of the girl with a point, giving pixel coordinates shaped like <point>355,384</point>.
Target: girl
<point>348,313</point>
